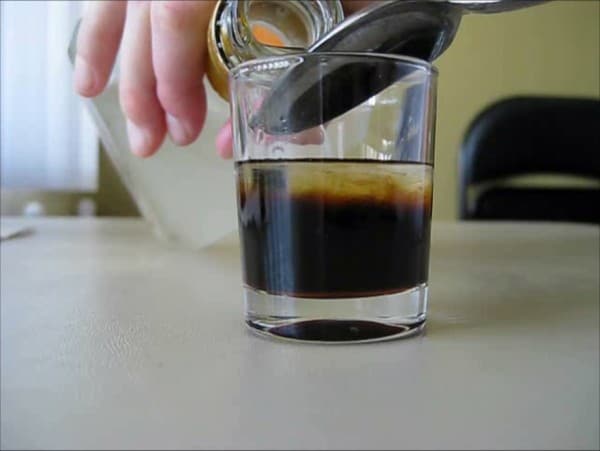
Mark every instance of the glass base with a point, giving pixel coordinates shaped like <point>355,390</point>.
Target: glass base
<point>347,320</point>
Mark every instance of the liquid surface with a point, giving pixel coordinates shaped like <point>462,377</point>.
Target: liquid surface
<point>334,228</point>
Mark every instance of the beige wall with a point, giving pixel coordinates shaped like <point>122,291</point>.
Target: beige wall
<point>550,49</point>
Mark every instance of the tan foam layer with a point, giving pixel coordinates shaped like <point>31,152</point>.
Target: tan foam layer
<point>337,181</point>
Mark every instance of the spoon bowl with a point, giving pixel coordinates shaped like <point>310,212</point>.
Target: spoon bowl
<point>422,29</point>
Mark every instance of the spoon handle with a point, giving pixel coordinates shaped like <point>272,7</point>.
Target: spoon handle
<point>494,6</point>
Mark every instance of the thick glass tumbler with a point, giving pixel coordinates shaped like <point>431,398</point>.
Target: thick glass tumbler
<point>334,169</point>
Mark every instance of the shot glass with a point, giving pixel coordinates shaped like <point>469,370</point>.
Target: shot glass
<point>334,184</point>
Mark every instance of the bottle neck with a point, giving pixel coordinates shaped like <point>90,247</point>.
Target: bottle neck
<point>248,29</point>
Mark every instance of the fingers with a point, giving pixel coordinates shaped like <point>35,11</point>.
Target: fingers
<point>137,88</point>
<point>224,141</point>
<point>315,135</point>
<point>178,52</point>
<point>97,45</point>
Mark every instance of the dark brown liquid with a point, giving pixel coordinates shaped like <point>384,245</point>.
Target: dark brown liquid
<point>340,330</point>
<point>334,228</point>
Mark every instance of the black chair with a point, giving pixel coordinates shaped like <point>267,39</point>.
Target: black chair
<point>526,136</point>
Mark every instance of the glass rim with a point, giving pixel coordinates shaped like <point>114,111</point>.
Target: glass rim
<point>238,71</point>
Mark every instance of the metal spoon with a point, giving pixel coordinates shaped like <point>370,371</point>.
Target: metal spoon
<point>307,95</point>
<point>419,28</point>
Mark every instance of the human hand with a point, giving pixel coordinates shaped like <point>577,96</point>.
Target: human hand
<point>163,56</point>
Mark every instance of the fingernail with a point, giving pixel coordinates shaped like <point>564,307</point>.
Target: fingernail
<point>85,79</point>
<point>139,139</point>
<point>224,141</point>
<point>178,132</point>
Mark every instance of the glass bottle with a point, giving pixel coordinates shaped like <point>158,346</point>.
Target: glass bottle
<point>242,30</point>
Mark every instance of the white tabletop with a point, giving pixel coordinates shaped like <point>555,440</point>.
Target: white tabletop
<point>112,339</point>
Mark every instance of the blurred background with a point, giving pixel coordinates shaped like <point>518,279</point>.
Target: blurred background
<point>51,159</point>
<point>52,162</point>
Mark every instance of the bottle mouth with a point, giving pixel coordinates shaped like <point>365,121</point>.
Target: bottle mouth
<point>278,24</point>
